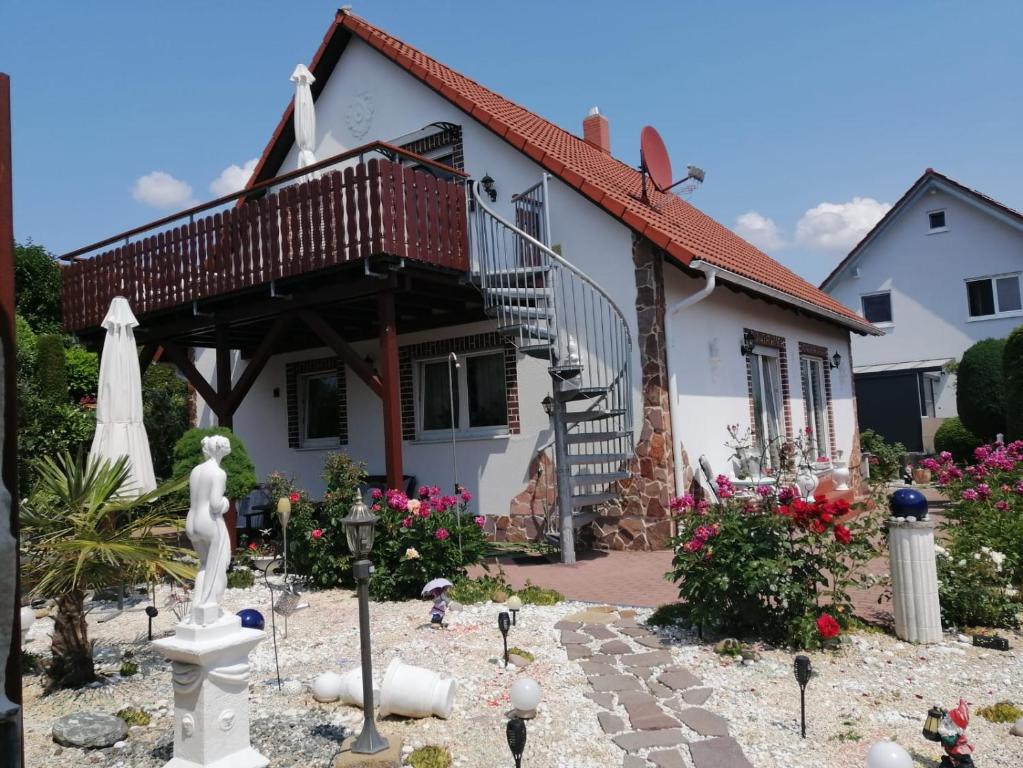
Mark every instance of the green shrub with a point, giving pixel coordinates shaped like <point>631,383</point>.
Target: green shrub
<point>479,590</point>
<point>165,412</point>
<point>522,653</point>
<point>82,368</point>
<point>1012,371</point>
<point>240,578</point>
<point>51,374</point>
<point>980,394</point>
<point>241,473</point>
<point>129,668</point>
<point>668,615</point>
<point>534,595</point>
<point>45,429</point>
<point>134,716</point>
<point>956,439</point>
<point>26,344</point>
<point>430,757</point>
<point>764,567</point>
<point>972,589</point>
<point>1002,712</point>
<point>37,287</point>
<point>887,458</point>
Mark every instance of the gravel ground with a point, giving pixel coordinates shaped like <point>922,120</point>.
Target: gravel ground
<point>875,687</point>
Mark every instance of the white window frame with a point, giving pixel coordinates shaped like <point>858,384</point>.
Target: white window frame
<point>758,359</point>
<point>937,230</point>
<point>302,385</point>
<point>994,292</point>
<point>822,440</point>
<point>461,380</point>
<point>891,308</point>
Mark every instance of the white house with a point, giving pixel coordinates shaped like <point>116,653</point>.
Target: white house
<point>938,273</point>
<point>642,325</point>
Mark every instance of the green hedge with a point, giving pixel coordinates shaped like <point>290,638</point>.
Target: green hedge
<point>241,472</point>
<point>51,373</point>
<point>980,393</point>
<point>1012,371</point>
<point>953,437</point>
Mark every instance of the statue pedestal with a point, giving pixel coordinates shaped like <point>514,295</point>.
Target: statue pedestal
<point>211,694</point>
<point>914,581</point>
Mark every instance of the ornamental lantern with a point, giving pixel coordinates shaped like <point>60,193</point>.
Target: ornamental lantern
<point>934,715</point>
<point>360,529</point>
<point>516,734</point>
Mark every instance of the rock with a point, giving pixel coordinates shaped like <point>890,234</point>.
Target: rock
<point>611,724</point>
<point>599,631</point>
<point>568,637</point>
<point>120,744</point>
<point>292,688</point>
<point>567,625</point>
<point>678,679</point>
<point>748,654</point>
<point>631,761</point>
<point>605,700</point>
<point>615,648</point>
<point>650,659</point>
<point>632,742</point>
<point>89,730</point>
<point>697,696</point>
<point>611,683</point>
<point>578,652</point>
<point>591,616</point>
<point>666,758</point>
<point>594,668</point>
<point>727,646</point>
<point>718,753</point>
<point>647,716</point>
<point>518,661</point>
<point>704,722</point>
<point>1017,728</point>
<point>653,641</point>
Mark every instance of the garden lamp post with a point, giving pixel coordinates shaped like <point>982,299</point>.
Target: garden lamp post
<point>802,669</point>
<point>516,734</point>
<point>503,624</point>
<point>360,525</point>
<point>152,612</point>
<point>514,605</point>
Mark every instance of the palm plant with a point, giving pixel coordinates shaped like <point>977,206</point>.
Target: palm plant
<point>83,530</point>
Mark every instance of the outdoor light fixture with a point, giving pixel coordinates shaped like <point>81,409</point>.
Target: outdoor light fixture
<point>514,605</point>
<point>548,405</point>
<point>801,668</point>
<point>525,697</point>
<point>748,343</point>
<point>360,527</point>
<point>934,715</point>
<point>503,624</point>
<point>836,360</point>
<point>152,613</point>
<point>516,733</point>
<point>488,186</point>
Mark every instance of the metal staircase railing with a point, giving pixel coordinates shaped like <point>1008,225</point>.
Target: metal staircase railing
<point>553,311</point>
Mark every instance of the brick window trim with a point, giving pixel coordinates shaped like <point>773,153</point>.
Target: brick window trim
<point>449,137</point>
<point>764,339</point>
<point>816,351</point>
<point>292,372</point>
<point>409,354</point>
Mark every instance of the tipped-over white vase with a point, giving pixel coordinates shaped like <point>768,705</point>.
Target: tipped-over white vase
<point>416,692</point>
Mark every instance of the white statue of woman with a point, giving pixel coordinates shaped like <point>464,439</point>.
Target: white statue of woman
<point>8,545</point>
<point>207,530</point>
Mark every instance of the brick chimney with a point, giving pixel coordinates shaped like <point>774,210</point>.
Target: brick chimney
<point>597,131</point>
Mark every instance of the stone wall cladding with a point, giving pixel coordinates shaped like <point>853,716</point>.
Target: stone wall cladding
<point>639,519</point>
<point>528,510</point>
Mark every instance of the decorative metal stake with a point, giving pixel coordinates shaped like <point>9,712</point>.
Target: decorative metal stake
<point>503,624</point>
<point>802,669</point>
<point>516,734</point>
<point>152,613</point>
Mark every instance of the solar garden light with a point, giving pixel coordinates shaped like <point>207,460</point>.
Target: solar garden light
<point>360,530</point>
<point>525,697</point>
<point>516,733</point>
<point>152,612</point>
<point>934,716</point>
<point>503,624</point>
<point>802,669</point>
<point>514,605</point>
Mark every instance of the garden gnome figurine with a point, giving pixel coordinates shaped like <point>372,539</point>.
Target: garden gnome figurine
<point>952,731</point>
<point>207,530</point>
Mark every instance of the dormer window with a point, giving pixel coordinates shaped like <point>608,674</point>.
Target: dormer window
<point>936,221</point>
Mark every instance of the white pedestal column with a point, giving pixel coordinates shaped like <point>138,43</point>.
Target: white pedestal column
<point>211,694</point>
<point>914,581</point>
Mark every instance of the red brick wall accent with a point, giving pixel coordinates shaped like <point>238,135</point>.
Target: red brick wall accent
<point>815,350</point>
<point>318,365</point>
<point>480,342</point>
<point>639,519</point>
<point>597,132</point>
<point>762,339</point>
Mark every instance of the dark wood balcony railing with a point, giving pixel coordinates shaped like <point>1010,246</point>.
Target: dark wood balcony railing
<point>372,208</point>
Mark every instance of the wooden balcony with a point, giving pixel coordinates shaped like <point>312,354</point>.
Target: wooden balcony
<point>367,208</point>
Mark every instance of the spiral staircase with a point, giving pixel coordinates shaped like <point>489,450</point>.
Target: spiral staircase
<point>552,311</point>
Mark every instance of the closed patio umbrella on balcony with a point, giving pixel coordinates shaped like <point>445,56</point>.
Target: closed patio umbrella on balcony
<point>304,115</point>
<point>119,427</point>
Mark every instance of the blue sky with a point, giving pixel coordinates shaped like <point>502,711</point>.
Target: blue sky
<point>808,117</point>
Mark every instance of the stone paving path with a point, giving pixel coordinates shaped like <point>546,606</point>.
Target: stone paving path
<point>652,708</point>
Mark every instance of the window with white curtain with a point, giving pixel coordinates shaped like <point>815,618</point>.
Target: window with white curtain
<point>767,401</point>
<point>815,403</point>
<point>478,399</point>
<point>318,406</point>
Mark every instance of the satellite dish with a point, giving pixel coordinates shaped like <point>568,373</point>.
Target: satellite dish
<point>653,156</point>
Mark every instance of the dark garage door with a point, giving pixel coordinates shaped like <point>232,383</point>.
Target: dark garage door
<point>889,404</point>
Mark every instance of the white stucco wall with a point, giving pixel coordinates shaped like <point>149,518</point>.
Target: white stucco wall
<point>712,378</point>
<point>925,274</point>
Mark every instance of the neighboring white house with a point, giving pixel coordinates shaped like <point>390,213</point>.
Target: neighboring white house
<point>939,272</point>
<point>757,350</point>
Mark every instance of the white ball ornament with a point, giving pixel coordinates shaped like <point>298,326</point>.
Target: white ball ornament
<point>888,754</point>
<point>327,687</point>
<point>525,697</point>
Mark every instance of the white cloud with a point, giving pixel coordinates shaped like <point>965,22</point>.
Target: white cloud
<point>233,178</point>
<point>161,190</point>
<point>839,226</point>
<point>759,230</point>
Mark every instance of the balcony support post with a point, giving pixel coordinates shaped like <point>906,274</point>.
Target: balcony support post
<point>331,338</point>
<point>151,353</point>
<point>391,394</point>
<point>225,416</point>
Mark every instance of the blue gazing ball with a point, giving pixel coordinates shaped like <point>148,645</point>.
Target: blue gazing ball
<point>908,502</point>
<point>251,618</point>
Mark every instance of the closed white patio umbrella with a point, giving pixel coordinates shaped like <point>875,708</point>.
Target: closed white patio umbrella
<point>304,115</point>
<point>119,428</point>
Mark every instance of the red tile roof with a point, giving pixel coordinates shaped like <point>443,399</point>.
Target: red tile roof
<point>671,223</point>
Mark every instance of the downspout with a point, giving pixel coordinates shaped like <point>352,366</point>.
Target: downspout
<point>673,366</point>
